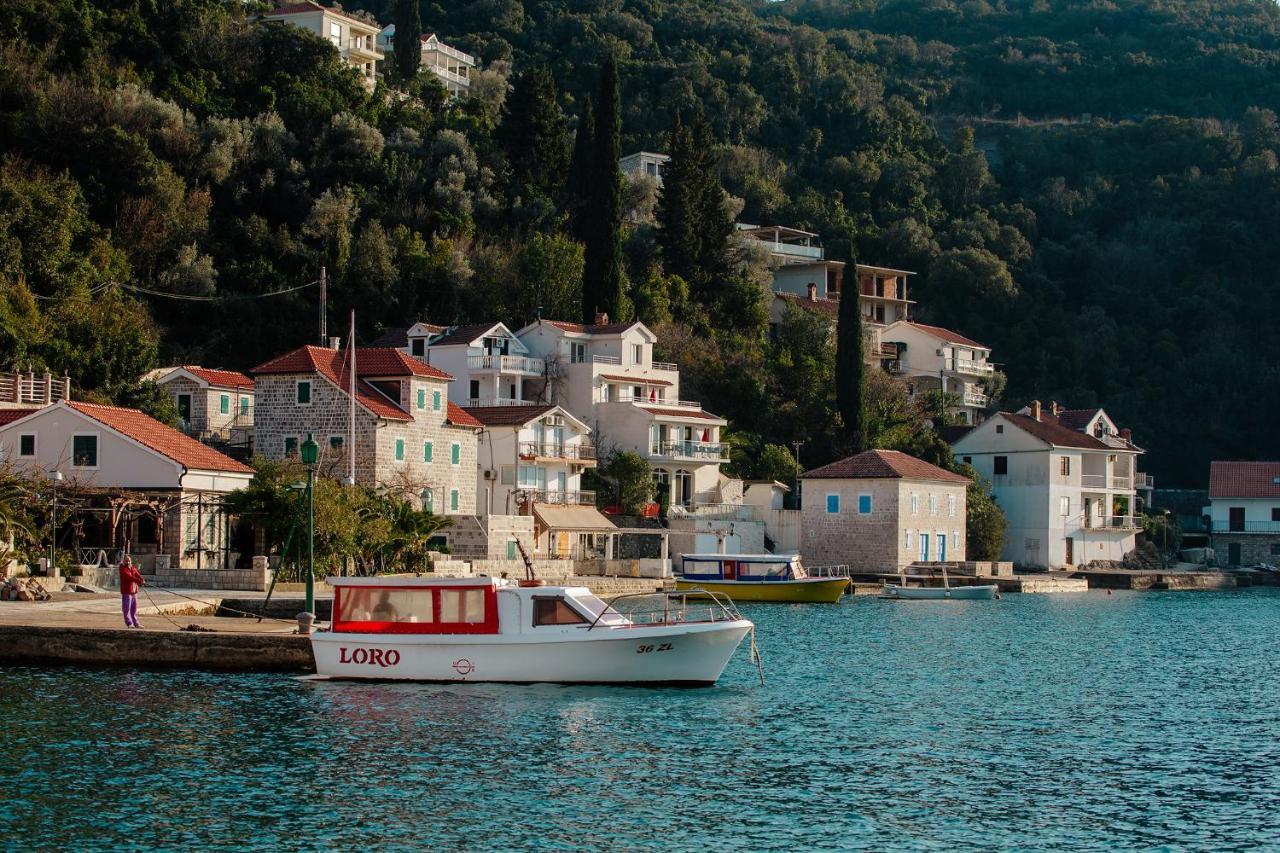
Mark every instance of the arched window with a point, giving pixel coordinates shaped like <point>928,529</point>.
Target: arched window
<point>428,500</point>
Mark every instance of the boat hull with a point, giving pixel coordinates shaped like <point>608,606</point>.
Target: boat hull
<point>801,590</point>
<point>690,655</point>
<point>934,593</point>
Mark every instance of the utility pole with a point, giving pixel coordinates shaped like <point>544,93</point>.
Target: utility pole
<point>796,491</point>
<point>324,313</point>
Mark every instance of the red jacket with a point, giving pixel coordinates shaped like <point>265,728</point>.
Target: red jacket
<point>130,580</point>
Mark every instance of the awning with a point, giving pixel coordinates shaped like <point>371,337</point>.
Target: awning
<point>586,518</point>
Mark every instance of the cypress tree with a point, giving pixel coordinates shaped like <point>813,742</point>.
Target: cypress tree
<point>679,231</point>
<point>715,222</point>
<point>533,133</point>
<point>580,170</point>
<point>602,284</point>
<point>850,366</point>
<point>408,51</point>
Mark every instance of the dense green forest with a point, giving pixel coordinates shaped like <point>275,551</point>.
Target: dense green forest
<point>1091,188</point>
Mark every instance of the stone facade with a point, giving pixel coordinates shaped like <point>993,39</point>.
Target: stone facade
<point>1252,548</point>
<point>206,406</point>
<point>888,538</point>
<point>279,417</point>
<point>489,538</point>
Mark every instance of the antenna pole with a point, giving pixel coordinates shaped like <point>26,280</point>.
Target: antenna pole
<point>324,314</point>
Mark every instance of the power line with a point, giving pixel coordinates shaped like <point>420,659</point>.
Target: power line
<point>230,298</point>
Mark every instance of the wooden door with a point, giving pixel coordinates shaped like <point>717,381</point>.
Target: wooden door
<point>1236,520</point>
<point>1071,551</point>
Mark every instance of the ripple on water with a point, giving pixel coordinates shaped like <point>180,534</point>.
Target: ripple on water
<point>1130,721</point>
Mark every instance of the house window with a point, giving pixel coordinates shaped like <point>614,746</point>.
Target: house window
<point>435,400</point>
<point>1275,513</point>
<point>1064,466</point>
<point>290,445</point>
<point>833,504</point>
<point>335,34</point>
<point>399,449</point>
<point>244,405</point>
<point>915,504</point>
<point>1065,507</point>
<point>304,393</point>
<point>26,445</point>
<point>422,398</point>
<point>336,442</point>
<point>224,404</point>
<point>1275,549</point>
<point>453,500</point>
<point>84,451</point>
<point>418,347</point>
<point>455,454</point>
<point>577,353</point>
<point>637,353</point>
<point>968,460</point>
<point>1000,466</point>
<point>864,504</point>
<point>428,500</point>
<point>533,477</point>
<point>951,505</point>
<point>999,429</point>
<point>426,451</point>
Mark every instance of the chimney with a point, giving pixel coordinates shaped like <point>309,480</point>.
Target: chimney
<point>1126,434</point>
<point>1054,408</point>
<point>602,318</point>
<point>1035,410</point>
<point>813,292</point>
<point>335,343</point>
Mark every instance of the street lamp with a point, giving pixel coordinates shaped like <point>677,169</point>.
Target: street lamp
<point>1164,561</point>
<point>56,477</point>
<point>310,452</point>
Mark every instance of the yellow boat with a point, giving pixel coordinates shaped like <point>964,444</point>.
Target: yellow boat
<point>758,577</point>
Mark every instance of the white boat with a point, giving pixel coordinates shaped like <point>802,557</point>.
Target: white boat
<point>491,629</point>
<point>933,593</point>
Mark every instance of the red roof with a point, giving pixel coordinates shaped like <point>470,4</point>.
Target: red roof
<point>1244,479</point>
<point>307,8</point>
<point>829,307</point>
<point>881,464</point>
<point>371,363</point>
<point>948,335</point>
<point>220,378</point>
<point>8,416</point>
<point>683,413</point>
<point>165,440</point>
<point>459,416</point>
<point>1054,433</point>
<point>464,334</point>
<point>591,328</point>
<point>507,415</point>
<point>1073,418</point>
<point>638,380</point>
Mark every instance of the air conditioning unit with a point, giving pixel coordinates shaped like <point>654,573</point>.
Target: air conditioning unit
<point>488,473</point>
<point>938,351</point>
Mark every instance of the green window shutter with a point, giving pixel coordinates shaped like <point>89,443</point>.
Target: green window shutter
<point>244,405</point>
<point>453,500</point>
<point>399,449</point>
<point>224,404</point>
<point>304,393</point>
<point>435,401</point>
<point>511,549</point>
<point>426,452</point>
<point>455,454</point>
<point>422,398</point>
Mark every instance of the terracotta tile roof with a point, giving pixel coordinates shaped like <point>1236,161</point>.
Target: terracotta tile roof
<point>8,416</point>
<point>828,307</point>
<point>637,380</point>
<point>683,413</point>
<point>591,328</point>
<point>464,334</point>
<point>1074,418</point>
<point>399,338</point>
<point>882,464</point>
<point>1244,479</point>
<point>507,415</point>
<point>1054,433</point>
<point>948,335</point>
<point>164,440</point>
<point>459,416</point>
<point>370,363</point>
<point>220,378</point>
<point>307,7</point>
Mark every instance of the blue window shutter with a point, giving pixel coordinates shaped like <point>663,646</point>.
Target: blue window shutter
<point>833,504</point>
<point>864,504</point>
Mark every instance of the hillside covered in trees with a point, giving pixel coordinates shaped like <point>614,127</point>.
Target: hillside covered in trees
<point>1091,188</point>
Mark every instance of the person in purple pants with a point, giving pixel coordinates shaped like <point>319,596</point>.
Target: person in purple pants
<point>130,580</point>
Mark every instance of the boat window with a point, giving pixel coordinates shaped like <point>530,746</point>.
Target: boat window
<point>416,610</point>
<point>555,611</point>
<point>768,571</point>
<point>461,605</point>
<point>386,605</point>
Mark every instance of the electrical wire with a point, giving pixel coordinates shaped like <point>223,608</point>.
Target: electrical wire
<point>185,297</point>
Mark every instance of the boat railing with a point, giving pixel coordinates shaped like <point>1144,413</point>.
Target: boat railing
<point>837,571</point>
<point>676,607</point>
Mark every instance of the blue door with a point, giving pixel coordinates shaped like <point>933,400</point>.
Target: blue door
<point>924,547</point>
<point>942,546</point>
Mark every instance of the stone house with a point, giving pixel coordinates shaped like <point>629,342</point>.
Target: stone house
<point>406,435</point>
<point>881,511</point>
<point>1244,512</point>
<point>211,403</point>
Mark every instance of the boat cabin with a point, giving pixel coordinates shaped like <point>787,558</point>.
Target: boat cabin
<point>407,604</point>
<point>743,567</point>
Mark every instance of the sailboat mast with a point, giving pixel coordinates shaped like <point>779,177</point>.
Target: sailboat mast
<point>351,402</point>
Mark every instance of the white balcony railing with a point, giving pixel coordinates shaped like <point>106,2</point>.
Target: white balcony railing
<point>1093,481</point>
<point>498,401</point>
<point>563,498</point>
<point>666,365</point>
<point>973,398</point>
<point>605,359</point>
<point>970,367</point>
<point>1144,481</point>
<point>506,363</point>
<point>793,250</point>
<point>554,450</point>
<point>698,450</point>
<point>1114,522</point>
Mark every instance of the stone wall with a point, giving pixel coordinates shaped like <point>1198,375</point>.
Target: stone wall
<point>1254,548</point>
<point>248,579</point>
<point>487,538</point>
<point>684,534</point>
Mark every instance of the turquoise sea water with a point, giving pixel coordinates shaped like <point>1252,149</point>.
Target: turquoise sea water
<point>1129,721</point>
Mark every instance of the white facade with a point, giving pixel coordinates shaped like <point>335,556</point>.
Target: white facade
<point>934,359</point>
<point>538,458</point>
<point>452,66</point>
<point>488,363</point>
<point>355,39</point>
<point>1068,495</point>
<point>645,163</point>
<point>606,376</point>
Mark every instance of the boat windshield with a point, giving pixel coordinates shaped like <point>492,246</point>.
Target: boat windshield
<point>762,571</point>
<point>415,610</point>
<point>596,606</point>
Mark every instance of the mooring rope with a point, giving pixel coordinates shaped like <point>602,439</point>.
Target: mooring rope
<point>755,655</point>
<point>257,616</point>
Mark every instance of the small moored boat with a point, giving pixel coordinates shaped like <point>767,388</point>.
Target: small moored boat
<point>758,577</point>
<point>490,629</point>
<point>934,593</point>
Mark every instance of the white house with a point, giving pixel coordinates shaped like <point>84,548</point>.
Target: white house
<point>1244,512</point>
<point>355,39</point>
<point>1065,480</point>
<point>454,67</point>
<point>932,358</point>
<point>211,403</point>
<point>489,364</point>
<point>137,485</point>
<point>604,373</point>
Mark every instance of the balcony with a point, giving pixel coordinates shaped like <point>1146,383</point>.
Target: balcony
<point>698,451</point>
<point>1093,481</point>
<point>1114,522</point>
<point>973,398</point>
<point>1144,481</point>
<point>552,450</point>
<point>1121,483</point>
<point>506,364</point>
<point>666,365</point>
<point>605,359</point>
<point>1272,527</point>
<point>560,498</point>
<point>364,46</point>
<point>499,401</point>
<point>793,250</point>
<point>969,367</point>
<point>34,389</point>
